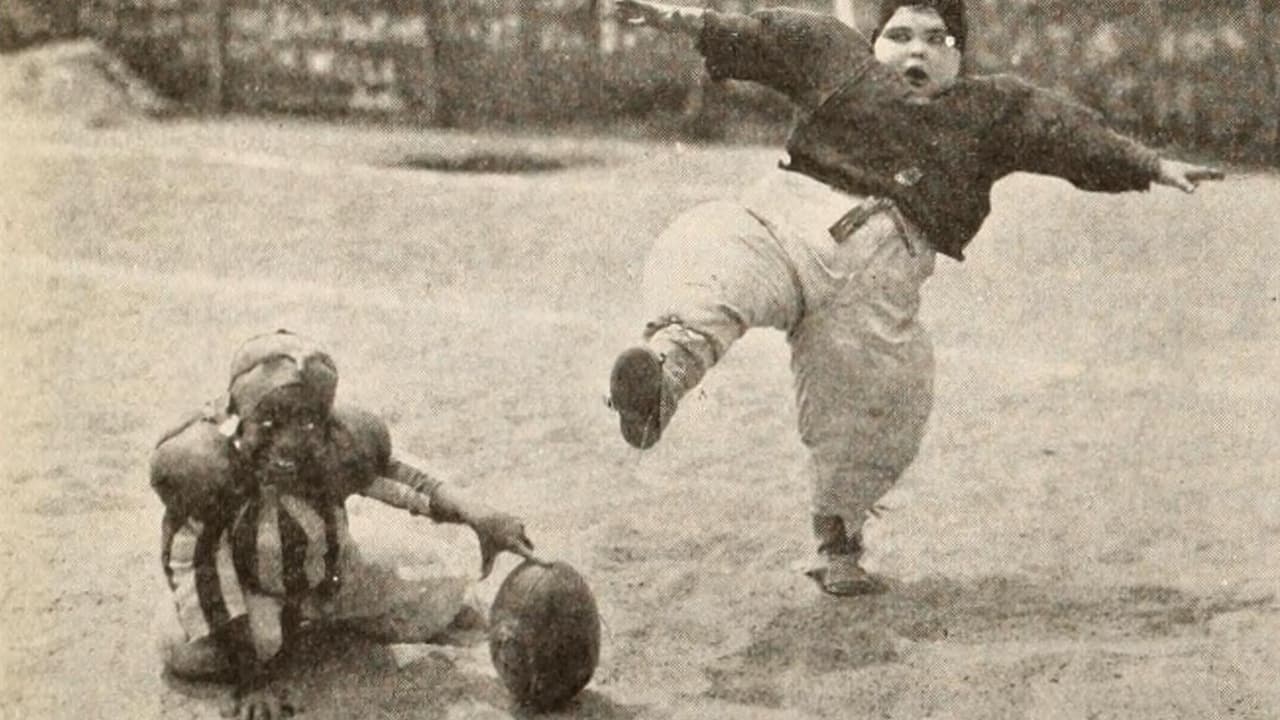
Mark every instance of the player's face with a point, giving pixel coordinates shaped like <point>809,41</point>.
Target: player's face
<point>916,43</point>
<point>283,436</point>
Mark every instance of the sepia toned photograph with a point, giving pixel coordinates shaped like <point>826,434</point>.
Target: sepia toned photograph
<point>637,360</point>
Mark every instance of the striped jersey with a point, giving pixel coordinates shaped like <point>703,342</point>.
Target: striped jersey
<point>227,542</point>
<point>284,546</point>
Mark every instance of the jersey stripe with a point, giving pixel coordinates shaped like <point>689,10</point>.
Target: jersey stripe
<point>293,553</point>
<point>310,561</point>
<point>289,544</point>
<point>269,567</point>
<point>228,583</point>
<point>288,548</point>
<point>244,548</point>
<point>208,584</point>
<point>181,570</point>
<point>335,532</point>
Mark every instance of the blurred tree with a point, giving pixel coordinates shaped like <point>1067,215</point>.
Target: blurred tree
<point>29,22</point>
<point>860,14</point>
<point>1196,73</point>
<point>440,28</point>
<point>216,90</point>
<point>1268,14</point>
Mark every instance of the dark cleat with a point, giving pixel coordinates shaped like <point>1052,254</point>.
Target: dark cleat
<point>843,577</point>
<point>838,571</point>
<point>639,392</point>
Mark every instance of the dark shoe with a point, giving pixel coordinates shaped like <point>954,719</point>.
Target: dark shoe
<point>844,577</point>
<point>641,393</point>
<point>838,572</point>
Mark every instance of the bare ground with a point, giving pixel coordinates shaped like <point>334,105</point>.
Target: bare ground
<point>1092,529</point>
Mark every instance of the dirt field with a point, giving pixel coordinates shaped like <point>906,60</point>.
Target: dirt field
<point>1092,529</point>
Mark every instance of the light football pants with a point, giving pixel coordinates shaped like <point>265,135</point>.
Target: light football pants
<point>862,363</point>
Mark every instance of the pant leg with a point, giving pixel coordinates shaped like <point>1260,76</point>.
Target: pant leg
<point>190,610</point>
<point>201,657</point>
<point>186,658</point>
<point>863,366</point>
<point>715,272</point>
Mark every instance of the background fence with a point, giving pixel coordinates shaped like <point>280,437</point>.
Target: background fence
<point>1201,74</point>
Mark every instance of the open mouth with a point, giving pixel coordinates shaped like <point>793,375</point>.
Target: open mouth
<point>916,76</point>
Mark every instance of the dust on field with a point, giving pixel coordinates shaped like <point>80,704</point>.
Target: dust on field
<point>1090,530</point>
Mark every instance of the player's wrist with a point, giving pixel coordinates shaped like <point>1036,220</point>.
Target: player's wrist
<point>1174,174</point>
<point>420,504</point>
<point>445,505</point>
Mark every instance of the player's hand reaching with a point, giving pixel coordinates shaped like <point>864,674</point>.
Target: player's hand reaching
<point>1185,176</point>
<point>658,15</point>
<point>633,12</point>
<point>498,532</point>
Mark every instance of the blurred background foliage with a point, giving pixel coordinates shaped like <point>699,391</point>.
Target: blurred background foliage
<point>1201,75</point>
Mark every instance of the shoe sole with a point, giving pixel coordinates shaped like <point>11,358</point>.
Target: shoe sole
<point>846,588</point>
<point>635,391</point>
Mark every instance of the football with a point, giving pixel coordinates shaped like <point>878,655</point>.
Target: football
<point>544,634</point>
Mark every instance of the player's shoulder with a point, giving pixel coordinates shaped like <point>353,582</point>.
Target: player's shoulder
<point>193,463</point>
<point>1006,84</point>
<point>1039,104</point>
<point>1004,96</point>
<point>362,434</point>
<point>198,438</point>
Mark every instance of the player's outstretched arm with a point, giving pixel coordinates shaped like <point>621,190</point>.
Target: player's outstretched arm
<point>1185,176</point>
<point>400,480</point>
<point>1054,135</point>
<point>497,531</point>
<point>660,16</point>
<point>802,54</point>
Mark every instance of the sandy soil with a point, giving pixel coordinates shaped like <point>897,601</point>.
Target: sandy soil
<point>1091,531</point>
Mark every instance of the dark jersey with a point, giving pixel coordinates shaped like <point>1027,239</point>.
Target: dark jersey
<point>861,131</point>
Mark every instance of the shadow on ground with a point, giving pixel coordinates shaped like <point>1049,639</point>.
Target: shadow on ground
<point>340,674</point>
<point>845,634</point>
